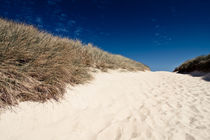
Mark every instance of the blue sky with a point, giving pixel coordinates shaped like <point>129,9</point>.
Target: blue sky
<point>160,33</point>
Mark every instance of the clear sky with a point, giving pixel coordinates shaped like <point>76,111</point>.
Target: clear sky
<point>159,33</point>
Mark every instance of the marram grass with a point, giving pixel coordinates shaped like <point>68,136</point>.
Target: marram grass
<point>200,63</point>
<point>36,66</point>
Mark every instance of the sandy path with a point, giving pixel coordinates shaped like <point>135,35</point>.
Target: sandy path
<point>118,106</point>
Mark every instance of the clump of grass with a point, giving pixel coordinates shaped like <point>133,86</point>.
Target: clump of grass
<point>36,66</point>
<point>201,63</point>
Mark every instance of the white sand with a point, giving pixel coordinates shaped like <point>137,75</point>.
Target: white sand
<point>118,106</point>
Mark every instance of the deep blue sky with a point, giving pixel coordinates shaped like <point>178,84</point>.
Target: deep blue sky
<point>160,33</point>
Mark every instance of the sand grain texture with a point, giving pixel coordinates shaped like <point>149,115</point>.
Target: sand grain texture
<point>118,106</point>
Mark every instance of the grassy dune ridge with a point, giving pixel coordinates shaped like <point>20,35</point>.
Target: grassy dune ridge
<point>200,63</point>
<point>36,66</point>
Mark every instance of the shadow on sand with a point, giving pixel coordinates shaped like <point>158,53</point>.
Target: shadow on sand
<point>205,76</point>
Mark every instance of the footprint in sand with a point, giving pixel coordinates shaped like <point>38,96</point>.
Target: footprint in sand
<point>189,137</point>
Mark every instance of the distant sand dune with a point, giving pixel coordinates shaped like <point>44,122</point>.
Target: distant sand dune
<point>118,106</point>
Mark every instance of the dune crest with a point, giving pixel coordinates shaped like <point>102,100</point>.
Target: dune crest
<point>118,106</point>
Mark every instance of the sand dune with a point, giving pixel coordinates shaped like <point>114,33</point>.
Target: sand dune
<point>118,106</point>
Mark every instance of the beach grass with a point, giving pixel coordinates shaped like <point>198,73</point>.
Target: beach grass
<point>37,66</point>
<point>200,63</point>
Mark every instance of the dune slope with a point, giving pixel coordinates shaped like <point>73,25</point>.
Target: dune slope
<point>118,106</point>
<point>37,66</point>
<point>200,63</point>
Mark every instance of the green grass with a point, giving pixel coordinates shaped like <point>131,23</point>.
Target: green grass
<point>36,66</point>
<point>201,63</point>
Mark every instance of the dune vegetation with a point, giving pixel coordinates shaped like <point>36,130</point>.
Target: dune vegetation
<point>37,66</point>
<point>200,63</point>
